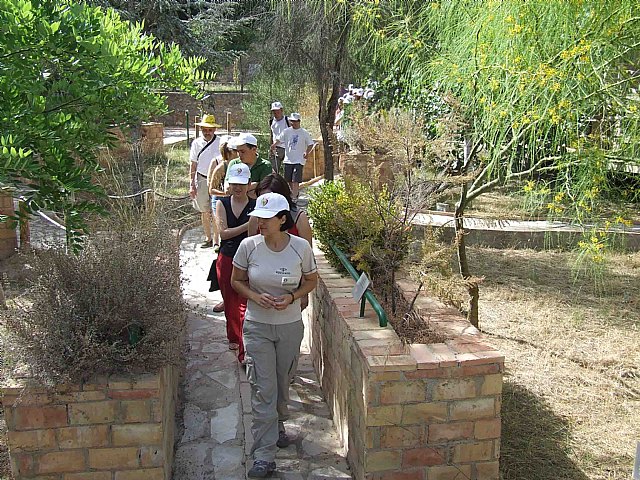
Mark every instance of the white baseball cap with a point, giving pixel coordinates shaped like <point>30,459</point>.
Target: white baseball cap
<point>245,138</point>
<point>239,174</point>
<point>295,116</point>
<point>269,205</point>
<point>276,106</point>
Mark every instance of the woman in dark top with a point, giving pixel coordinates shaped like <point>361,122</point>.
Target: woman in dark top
<point>232,217</point>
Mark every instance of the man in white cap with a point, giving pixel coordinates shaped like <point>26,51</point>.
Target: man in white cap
<point>247,147</point>
<point>298,144</point>
<point>278,123</point>
<point>204,150</point>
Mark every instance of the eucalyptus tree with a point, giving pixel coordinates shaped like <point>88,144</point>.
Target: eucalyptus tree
<point>537,90</point>
<point>69,72</point>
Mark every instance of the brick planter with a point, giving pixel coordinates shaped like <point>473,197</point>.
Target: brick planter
<point>8,235</point>
<point>406,412</point>
<point>114,429</point>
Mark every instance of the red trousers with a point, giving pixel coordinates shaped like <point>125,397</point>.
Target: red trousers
<point>234,304</point>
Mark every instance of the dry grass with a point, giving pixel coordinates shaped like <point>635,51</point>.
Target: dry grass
<point>571,407</point>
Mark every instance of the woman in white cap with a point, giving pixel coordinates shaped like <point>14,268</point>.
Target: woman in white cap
<point>232,217</point>
<point>267,270</point>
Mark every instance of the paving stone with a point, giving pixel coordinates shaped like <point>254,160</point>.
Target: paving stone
<point>224,425</point>
<point>224,377</point>
<point>195,423</point>
<point>189,462</point>
<point>215,347</point>
<point>328,473</point>
<point>227,460</point>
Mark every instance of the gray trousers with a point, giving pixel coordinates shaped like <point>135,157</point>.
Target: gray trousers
<point>271,354</point>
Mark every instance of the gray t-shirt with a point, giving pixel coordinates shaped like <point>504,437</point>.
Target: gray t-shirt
<point>275,273</point>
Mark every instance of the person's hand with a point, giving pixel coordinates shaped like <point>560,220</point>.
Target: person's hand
<point>284,301</point>
<point>268,301</point>
<point>272,147</point>
<point>192,191</point>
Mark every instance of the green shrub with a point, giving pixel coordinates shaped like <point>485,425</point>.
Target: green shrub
<point>359,220</point>
<point>115,307</point>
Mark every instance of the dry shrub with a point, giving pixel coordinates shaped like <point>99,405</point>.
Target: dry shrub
<point>83,313</point>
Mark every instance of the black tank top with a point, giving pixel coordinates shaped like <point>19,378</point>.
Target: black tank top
<point>229,247</point>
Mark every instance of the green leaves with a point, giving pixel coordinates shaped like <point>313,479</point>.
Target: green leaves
<point>67,73</point>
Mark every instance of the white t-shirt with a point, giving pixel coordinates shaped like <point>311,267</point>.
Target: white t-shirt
<point>275,273</point>
<point>278,126</point>
<point>204,160</point>
<point>296,141</point>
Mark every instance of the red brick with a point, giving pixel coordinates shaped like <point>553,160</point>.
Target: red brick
<point>485,429</point>
<point>93,412</point>
<point>443,432</point>
<point>423,457</point>
<point>60,462</point>
<point>402,392</point>
<point>133,394</point>
<point>412,475</point>
<point>135,411</point>
<point>83,437</point>
<point>445,355</point>
<point>474,370</point>
<point>394,437</point>
<point>88,476</point>
<point>473,452</point>
<point>388,415</point>
<point>473,409</point>
<point>454,389</point>
<point>424,412</point>
<point>31,440</point>
<point>136,434</point>
<point>450,472</point>
<point>440,372</point>
<point>383,460</point>
<point>487,471</point>
<point>29,418</point>
<point>492,385</point>
<point>113,458</point>
<point>151,456</point>
<point>22,464</point>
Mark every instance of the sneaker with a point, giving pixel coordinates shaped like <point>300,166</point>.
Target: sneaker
<point>283,440</point>
<point>216,248</point>
<point>233,346</point>
<point>206,244</point>
<point>262,469</point>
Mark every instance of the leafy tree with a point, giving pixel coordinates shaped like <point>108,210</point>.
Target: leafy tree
<point>68,72</point>
<point>537,90</point>
<point>311,36</point>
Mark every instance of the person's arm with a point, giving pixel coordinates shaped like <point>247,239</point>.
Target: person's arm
<point>304,228</point>
<point>215,180</point>
<point>240,283</point>
<point>221,219</point>
<point>193,168</point>
<point>309,282</point>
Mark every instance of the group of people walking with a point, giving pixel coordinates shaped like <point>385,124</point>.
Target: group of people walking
<point>265,266</point>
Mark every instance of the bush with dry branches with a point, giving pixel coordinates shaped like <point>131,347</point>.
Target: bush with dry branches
<point>115,307</point>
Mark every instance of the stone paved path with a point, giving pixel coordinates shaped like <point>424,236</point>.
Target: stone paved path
<point>216,399</point>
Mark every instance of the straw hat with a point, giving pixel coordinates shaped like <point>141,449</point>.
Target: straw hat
<point>208,121</point>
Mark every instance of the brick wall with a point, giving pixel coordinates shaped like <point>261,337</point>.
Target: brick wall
<point>406,412</point>
<point>119,428</point>
<point>8,234</point>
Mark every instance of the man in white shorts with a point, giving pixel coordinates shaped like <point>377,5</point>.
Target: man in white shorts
<point>298,144</point>
<point>204,150</point>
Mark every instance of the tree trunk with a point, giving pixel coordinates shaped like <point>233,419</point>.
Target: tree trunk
<point>137,167</point>
<point>463,264</point>
<point>3,301</point>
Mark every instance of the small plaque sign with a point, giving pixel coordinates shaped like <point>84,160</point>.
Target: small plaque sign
<point>360,287</point>
<point>636,467</point>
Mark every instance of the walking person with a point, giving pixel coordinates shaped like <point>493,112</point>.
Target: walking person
<point>204,151</point>
<point>298,144</point>
<point>268,270</point>
<point>217,187</point>
<point>277,124</point>
<point>247,147</point>
<point>301,226</point>
<point>232,216</point>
